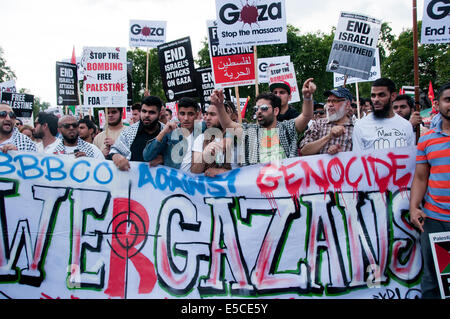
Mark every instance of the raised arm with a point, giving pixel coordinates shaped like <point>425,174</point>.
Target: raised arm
<point>217,98</point>
<point>308,89</point>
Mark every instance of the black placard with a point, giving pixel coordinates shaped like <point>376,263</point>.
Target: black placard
<point>21,104</point>
<point>66,84</point>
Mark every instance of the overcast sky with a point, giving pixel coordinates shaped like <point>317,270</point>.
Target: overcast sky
<point>37,33</point>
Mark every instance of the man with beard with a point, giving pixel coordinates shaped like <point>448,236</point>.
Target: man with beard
<point>212,152</point>
<point>382,128</point>
<point>71,144</point>
<point>133,139</point>
<point>174,142</point>
<point>10,137</point>
<point>332,134</point>
<point>431,187</point>
<point>46,129</point>
<point>108,137</point>
<point>267,140</point>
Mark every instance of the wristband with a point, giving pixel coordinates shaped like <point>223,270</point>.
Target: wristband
<point>307,98</point>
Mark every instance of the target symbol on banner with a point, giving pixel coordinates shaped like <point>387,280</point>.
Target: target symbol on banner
<point>129,231</point>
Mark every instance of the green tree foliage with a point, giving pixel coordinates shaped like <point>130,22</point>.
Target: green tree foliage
<point>6,73</point>
<point>434,62</point>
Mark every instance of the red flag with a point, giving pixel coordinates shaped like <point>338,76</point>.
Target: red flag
<point>430,92</point>
<point>244,108</point>
<point>74,59</point>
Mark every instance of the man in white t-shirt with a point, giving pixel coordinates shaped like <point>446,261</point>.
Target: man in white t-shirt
<point>382,128</point>
<point>46,129</point>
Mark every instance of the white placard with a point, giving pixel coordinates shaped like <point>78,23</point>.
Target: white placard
<point>285,73</point>
<point>436,22</point>
<point>251,23</point>
<point>105,75</point>
<point>147,33</point>
<point>264,63</point>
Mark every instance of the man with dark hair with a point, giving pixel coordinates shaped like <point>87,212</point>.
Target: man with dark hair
<point>174,141</point>
<point>108,137</point>
<point>332,134</point>
<point>382,128</point>
<point>10,137</point>
<point>71,144</point>
<point>168,114</point>
<point>403,105</point>
<point>46,129</point>
<point>283,91</point>
<point>86,129</point>
<point>431,187</point>
<point>133,139</point>
<point>268,139</point>
<point>135,113</point>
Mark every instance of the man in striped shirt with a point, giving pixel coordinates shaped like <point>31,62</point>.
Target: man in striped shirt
<point>431,183</point>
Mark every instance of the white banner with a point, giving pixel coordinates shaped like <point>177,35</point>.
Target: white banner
<point>354,45</point>
<point>375,73</point>
<point>105,76</point>
<point>246,24</point>
<point>436,22</point>
<point>264,63</point>
<point>8,86</point>
<point>285,73</point>
<point>309,227</point>
<point>147,33</point>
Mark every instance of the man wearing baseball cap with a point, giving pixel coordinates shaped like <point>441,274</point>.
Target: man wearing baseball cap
<point>283,91</point>
<point>332,134</point>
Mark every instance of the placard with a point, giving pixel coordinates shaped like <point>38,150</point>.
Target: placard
<point>435,22</point>
<point>8,86</point>
<point>354,45</point>
<point>176,63</point>
<point>264,63</point>
<point>232,66</point>
<point>105,76</point>
<point>21,104</point>
<point>440,247</point>
<point>285,73</point>
<point>147,33</point>
<point>375,73</point>
<point>245,23</point>
<point>205,86</point>
<point>66,84</point>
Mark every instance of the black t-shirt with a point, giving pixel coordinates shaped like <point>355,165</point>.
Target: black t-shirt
<point>290,114</point>
<point>139,143</point>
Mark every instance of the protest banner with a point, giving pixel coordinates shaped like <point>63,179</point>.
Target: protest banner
<point>375,73</point>
<point>440,247</point>
<point>176,64</point>
<point>105,76</point>
<point>8,86</point>
<point>173,107</point>
<point>285,73</point>
<point>205,86</point>
<point>309,227</point>
<point>232,66</point>
<point>264,63</point>
<point>147,33</point>
<point>251,24</point>
<point>21,104</point>
<point>66,84</point>
<point>354,45</point>
<point>435,22</point>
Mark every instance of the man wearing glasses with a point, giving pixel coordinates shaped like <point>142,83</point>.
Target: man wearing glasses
<point>332,134</point>
<point>10,137</point>
<point>268,139</point>
<point>71,144</point>
<point>382,128</point>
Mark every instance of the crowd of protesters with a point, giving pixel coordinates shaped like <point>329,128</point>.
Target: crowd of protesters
<point>216,141</point>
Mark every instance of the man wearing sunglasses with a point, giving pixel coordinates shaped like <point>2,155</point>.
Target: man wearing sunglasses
<point>10,137</point>
<point>268,139</point>
<point>70,142</point>
<point>332,134</point>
